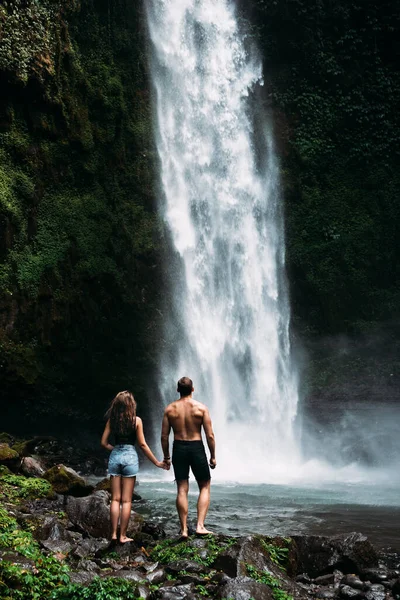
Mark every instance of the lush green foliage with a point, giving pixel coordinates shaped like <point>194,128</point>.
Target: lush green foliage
<point>98,589</point>
<point>268,579</point>
<point>332,78</point>
<point>41,576</point>
<point>14,487</point>
<point>77,250</point>
<point>278,554</point>
<point>169,551</point>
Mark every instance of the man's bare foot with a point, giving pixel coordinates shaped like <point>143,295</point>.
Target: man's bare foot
<point>125,540</point>
<point>203,531</point>
<point>183,536</point>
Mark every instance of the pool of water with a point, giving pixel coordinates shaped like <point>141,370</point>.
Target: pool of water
<point>324,509</point>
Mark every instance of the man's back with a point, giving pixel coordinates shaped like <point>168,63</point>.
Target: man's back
<point>185,416</point>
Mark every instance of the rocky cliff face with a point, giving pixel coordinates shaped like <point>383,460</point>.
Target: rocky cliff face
<point>79,237</point>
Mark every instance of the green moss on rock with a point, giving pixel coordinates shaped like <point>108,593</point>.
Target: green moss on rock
<point>66,481</point>
<point>104,484</point>
<point>8,456</point>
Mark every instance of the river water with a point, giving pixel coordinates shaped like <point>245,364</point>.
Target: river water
<point>238,509</point>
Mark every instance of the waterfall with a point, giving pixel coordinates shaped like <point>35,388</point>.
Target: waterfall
<point>227,320</point>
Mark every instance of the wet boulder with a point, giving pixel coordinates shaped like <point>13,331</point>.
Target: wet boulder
<point>156,577</point>
<point>154,530</point>
<point>128,575</point>
<point>92,515</point>
<point>376,592</point>
<point>31,467</point>
<point>14,558</point>
<point>379,575</point>
<point>353,581</point>
<point>8,457</point>
<point>90,547</point>
<point>176,592</point>
<point>191,566</point>
<point>396,588</point>
<point>350,593</point>
<point>244,588</point>
<point>319,555</point>
<point>67,481</point>
<point>57,546</point>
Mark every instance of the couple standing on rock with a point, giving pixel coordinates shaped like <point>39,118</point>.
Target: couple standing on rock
<point>186,417</point>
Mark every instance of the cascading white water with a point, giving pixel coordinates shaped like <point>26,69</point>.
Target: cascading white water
<point>230,316</point>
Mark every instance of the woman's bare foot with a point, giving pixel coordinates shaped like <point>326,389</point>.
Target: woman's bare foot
<point>203,531</point>
<point>125,540</point>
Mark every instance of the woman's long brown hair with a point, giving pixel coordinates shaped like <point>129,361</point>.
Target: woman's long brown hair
<point>122,413</point>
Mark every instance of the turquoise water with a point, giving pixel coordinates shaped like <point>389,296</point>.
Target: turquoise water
<point>328,509</point>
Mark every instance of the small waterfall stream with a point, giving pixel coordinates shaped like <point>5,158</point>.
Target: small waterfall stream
<point>228,322</point>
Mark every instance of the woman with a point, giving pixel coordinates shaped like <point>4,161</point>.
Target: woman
<point>123,464</point>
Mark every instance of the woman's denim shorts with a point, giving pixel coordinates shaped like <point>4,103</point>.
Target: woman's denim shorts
<point>123,461</point>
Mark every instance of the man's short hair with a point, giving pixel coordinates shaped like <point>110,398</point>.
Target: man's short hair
<point>185,386</point>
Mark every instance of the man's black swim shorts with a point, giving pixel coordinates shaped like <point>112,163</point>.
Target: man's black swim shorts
<point>192,455</point>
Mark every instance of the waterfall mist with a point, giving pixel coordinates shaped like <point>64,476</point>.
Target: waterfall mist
<point>227,324</point>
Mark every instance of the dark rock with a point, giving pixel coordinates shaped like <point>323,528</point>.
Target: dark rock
<point>192,578</point>
<point>318,555</point>
<point>57,546</point>
<point>220,578</point>
<point>88,565</point>
<point>130,575</point>
<point>396,588</point>
<point>325,579</point>
<point>337,577</point>
<point>350,593</point>
<point>104,484</point>
<point>227,560</point>
<point>244,588</point>
<point>67,481</point>
<point>376,592</point>
<point>124,550</point>
<point>190,566</point>
<point>51,528</point>
<point>143,591</point>
<point>90,547</point>
<point>150,567</point>
<point>353,581</point>
<point>389,584</point>
<point>154,530</point>
<point>176,592</point>
<point>31,467</point>
<point>17,559</point>
<point>92,514</point>
<point>142,539</point>
<point>378,575</point>
<point>326,593</point>
<point>82,577</point>
<point>155,577</point>
<point>303,578</point>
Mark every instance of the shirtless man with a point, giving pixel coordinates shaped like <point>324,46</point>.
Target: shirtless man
<point>186,417</point>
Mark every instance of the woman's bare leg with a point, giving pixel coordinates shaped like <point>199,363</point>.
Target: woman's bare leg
<point>115,506</point>
<point>128,485</point>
